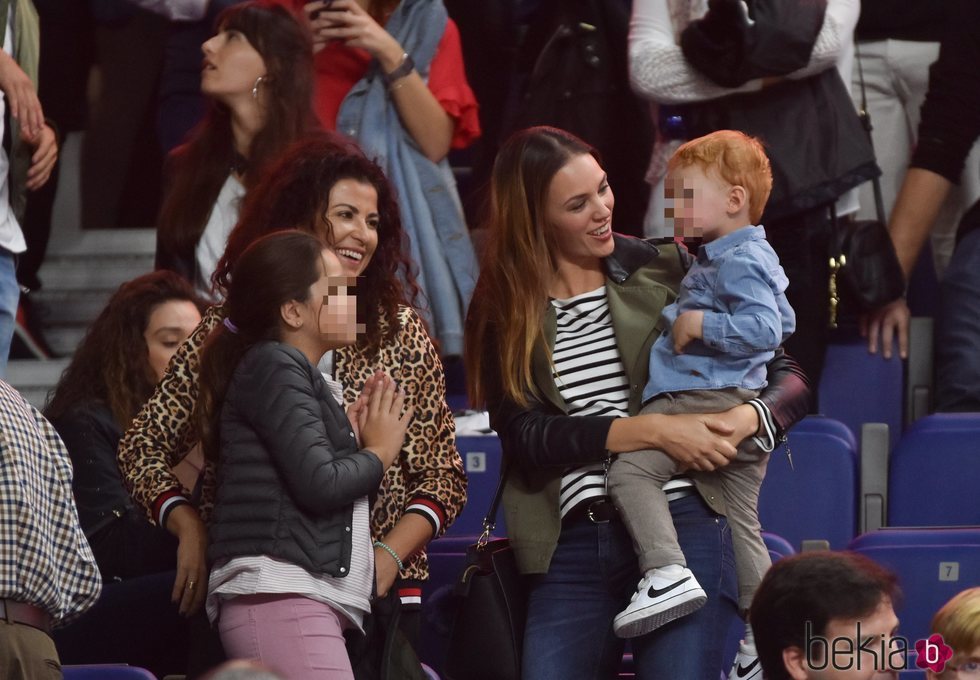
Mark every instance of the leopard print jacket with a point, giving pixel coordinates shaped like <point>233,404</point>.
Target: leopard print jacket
<point>427,478</point>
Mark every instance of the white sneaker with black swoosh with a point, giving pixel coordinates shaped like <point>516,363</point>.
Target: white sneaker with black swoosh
<point>663,595</point>
<point>746,666</point>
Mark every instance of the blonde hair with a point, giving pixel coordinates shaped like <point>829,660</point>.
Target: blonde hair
<point>736,157</point>
<point>506,314</point>
<point>959,621</point>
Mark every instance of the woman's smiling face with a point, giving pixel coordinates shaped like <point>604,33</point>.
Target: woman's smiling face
<point>352,213</point>
<point>578,209</point>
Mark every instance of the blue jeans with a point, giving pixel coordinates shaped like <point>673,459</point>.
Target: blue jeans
<point>957,360</point>
<point>592,575</point>
<point>9,297</point>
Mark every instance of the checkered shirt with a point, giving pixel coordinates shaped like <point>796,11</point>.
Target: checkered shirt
<point>45,559</point>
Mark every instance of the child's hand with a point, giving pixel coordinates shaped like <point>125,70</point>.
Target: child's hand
<point>357,412</point>
<point>688,326</point>
<point>383,425</point>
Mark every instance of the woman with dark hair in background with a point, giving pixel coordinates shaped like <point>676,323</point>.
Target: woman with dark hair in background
<point>290,537</point>
<point>258,74</point>
<point>112,374</point>
<point>342,197</point>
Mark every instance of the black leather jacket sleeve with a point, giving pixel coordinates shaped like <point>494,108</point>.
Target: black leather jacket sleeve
<point>787,396</point>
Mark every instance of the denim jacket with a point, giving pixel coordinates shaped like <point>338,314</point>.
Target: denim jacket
<point>430,208</point>
<point>737,282</point>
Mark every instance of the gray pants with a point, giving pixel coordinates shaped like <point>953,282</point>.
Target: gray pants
<point>636,483</point>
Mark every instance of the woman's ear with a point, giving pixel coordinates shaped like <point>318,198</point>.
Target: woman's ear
<point>291,315</point>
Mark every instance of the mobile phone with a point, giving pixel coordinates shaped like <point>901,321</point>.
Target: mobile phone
<point>315,14</point>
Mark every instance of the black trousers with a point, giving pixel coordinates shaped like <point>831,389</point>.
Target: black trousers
<point>802,242</point>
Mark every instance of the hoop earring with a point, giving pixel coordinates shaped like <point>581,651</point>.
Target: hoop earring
<point>255,88</point>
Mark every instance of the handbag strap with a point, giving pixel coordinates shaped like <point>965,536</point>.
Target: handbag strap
<point>490,520</point>
<point>866,123</point>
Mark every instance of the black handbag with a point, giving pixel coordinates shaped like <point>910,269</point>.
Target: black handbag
<point>487,634</point>
<point>864,271</point>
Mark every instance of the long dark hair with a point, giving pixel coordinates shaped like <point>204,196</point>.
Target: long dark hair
<point>111,365</point>
<point>273,270</point>
<point>197,169</point>
<point>294,195</point>
<point>518,262</point>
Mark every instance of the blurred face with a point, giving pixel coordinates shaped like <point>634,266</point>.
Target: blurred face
<point>965,665</point>
<point>697,203</point>
<point>169,325</point>
<point>844,657</point>
<point>352,211</point>
<point>333,304</point>
<point>578,209</point>
<point>230,67</point>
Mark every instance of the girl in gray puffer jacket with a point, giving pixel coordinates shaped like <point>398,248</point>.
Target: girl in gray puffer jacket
<point>290,542</point>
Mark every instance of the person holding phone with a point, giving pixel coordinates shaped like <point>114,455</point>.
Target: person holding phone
<point>389,74</point>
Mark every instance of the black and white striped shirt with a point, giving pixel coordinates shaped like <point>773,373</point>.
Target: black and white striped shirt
<point>591,379</point>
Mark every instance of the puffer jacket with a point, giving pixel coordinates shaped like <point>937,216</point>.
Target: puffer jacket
<point>289,467</point>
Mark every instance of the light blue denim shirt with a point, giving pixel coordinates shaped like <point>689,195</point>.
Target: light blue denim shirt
<point>737,282</point>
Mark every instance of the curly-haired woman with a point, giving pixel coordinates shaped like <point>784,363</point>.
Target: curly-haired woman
<point>112,374</point>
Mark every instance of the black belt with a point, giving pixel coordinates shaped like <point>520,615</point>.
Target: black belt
<point>598,511</point>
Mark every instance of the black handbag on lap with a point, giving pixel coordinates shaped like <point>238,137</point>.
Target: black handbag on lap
<point>864,270</point>
<point>491,607</point>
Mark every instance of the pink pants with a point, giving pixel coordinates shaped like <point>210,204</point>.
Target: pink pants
<point>294,636</point>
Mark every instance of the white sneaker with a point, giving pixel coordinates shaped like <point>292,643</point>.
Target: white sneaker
<point>746,666</point>
<point>659,599</point>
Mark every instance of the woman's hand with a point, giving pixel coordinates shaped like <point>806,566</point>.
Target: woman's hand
<point>384,423</point>
<point>739,423</point>
<point>25,107</point>
<point>45,155</point>
<point>698,441</point>
<point>346,20</point>
<point>191,584</point>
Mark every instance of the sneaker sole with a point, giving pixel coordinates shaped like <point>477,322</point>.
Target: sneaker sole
<point>638,623</point>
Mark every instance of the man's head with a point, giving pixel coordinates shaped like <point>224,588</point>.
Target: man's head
<point>717,182</point>
<point>827,615</point>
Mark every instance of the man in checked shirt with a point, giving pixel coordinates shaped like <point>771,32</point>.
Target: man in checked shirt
<point>48,575</point>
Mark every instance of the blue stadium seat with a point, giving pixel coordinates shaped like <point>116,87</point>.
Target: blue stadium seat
<point>932,564</point>
<point>778,546</point>
<point>106,672</point>
<point>851,375</point>
<point>934,472</point>
<point>481,459</point>
<point>816,497</point>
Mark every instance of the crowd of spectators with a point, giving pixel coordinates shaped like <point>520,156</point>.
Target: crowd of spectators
<point>264,418</point>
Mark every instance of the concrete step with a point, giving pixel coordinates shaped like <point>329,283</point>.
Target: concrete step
<point>34,379</point>
<point>92,271</point>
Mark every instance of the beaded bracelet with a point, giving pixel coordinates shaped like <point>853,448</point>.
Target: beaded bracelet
<point>394,555</point>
